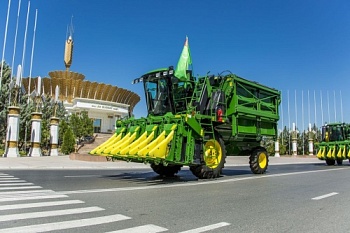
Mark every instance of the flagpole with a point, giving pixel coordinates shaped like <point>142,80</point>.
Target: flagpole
<point>15,42</point>
<point>308,105</point>
<point>335,108</point>
<point>329,114</point>
<point>315,111</point>
<point>32,55</point>
<point>295,108</point>
<point>322,121</point>
<point>341,107</point>
<point>25,41</point>
<point>15,45</point>
<point>4,46</point>
<point>282,120</point>
<point>302,114</point>
<point>288,124</point>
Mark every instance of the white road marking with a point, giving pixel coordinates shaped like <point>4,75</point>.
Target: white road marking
<point>16,184</point>
<point>39,204</point>
<point>25,198</point>
<point>26,193</point>
<point>194,183</point>
<point>12,181</point>
<point>66,224</point>
<point>4,176</point>
<point>21,187</point>
<point>42,214</point>
<point>149,228</point>
<point>207,228</point>
<point>324,196</point>
<point>8,178</point>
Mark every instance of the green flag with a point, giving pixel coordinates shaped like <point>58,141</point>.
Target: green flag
<point>184,61</point>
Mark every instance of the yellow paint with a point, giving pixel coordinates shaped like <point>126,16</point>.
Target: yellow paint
<point>123,144</point>
<point>331,153</point>
<point>262,160</point>
<point>161,150</point>
<point>143,152</point>
<point>113,146</point>
<point>141,145</point>
<point>134,144</point>
<point>212,153</point>
<point>321,153</point>
<point>99,149</point>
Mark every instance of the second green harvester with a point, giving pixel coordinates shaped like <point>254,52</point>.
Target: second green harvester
<point>192,122</point>
<point>335,143</point>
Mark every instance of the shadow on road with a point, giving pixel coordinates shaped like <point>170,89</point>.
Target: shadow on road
<point>185,175</point>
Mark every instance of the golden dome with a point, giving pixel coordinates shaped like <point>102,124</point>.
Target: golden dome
<point>72,85</point>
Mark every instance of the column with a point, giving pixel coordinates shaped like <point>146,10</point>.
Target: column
<point>12,134</point>
<point>311,141</point>
<point>294,140</point>
<point>277,149</point>
<point>54,121</point>
<point>35,150</point>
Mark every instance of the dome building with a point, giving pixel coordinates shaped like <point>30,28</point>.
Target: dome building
<point>103,102</point>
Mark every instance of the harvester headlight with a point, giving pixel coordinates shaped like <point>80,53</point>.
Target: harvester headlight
<point>165,73</point>
<point>171,71</point>
<point>157,75</point>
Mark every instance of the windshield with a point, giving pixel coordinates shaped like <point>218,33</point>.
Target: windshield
<point>157,97</point>
<point>332,133</point>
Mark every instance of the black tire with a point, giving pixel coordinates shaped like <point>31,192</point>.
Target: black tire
<point>339,161</point>
<point>259,161</point>
<point>167,171</point>
<point>213,159</point>
<point>330,162</point>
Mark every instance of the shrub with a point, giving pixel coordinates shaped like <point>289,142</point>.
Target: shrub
<point>68,142</point>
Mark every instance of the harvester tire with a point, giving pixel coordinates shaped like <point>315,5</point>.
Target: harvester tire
<point>339,161</point>
<point>259,160</point>
<point>213,160</point>
<point>330,162</point>
<point>167,171</point>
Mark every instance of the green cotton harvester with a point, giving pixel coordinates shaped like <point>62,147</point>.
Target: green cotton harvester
<point>192,120</point>
<point>335,143</point>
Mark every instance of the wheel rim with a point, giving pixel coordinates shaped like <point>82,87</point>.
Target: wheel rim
<point>262,160</point>
<point>213,153</point>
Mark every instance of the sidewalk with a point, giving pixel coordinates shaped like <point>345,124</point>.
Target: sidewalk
<point>85,161</point>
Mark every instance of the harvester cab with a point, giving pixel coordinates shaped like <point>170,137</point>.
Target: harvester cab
<point>335,143</point>
<point>165,93</point>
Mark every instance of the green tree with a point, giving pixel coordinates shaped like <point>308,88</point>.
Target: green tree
<point>68,144</point>
<point>4,101</point>
<point>75,124</point>
<point>87,124</point>
<point>62,128</point>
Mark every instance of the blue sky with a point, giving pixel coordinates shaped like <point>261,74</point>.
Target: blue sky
<point>291,45</point>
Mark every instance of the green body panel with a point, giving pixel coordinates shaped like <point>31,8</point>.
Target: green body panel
<point>240,111</point>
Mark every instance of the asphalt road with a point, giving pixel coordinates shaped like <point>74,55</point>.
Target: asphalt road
<point>288,198</point>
